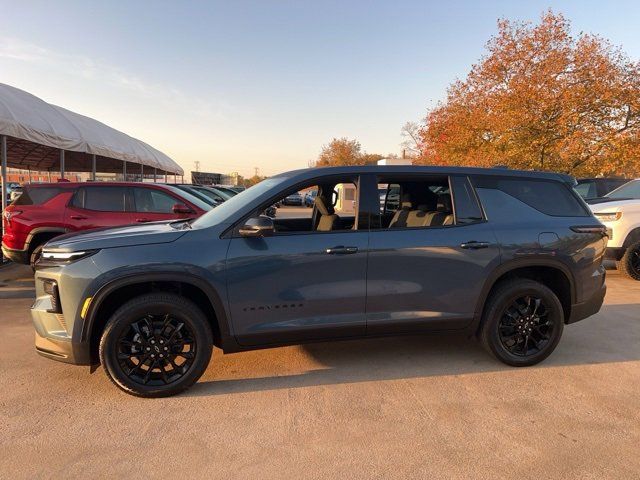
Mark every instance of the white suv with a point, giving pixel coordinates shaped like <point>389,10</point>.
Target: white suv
<point>619,211</point>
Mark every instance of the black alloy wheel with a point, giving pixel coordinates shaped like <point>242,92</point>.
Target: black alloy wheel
<point>525,328</point>
<point>157,350</point>
<point>522,322</point>
<point>156,345</point>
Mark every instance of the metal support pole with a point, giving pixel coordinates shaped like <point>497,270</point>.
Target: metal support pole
<point>155,172</point>
<point>124,170</point>
<point>29,172</point>
<point>3,172</point>
<point>141,172</point>
<point>49,175</point>
<point>181,178</point>
<point>93,167</point>
<point>62,164</point>
<point>175,178</point>
<point>166,177</point>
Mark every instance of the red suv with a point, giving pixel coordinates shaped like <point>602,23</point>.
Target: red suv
<point>44,211</point>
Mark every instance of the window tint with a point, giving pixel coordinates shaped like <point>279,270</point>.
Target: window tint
<point>153,201</point>
<point>102,199</point>
<point>37,196</point>
<point>586,189</point>
<point>466,205</point>
<point>546,196</point>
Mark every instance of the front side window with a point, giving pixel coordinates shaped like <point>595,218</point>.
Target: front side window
<point>101,199</point>
<point>149,200</point>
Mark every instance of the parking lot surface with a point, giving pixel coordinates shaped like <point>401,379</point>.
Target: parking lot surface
<point>409,407</point>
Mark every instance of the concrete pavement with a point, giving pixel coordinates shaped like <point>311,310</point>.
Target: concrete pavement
<point>412,407</point>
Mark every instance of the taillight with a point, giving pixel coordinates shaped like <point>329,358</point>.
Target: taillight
<point>601,229</point>
<point>9,214</point>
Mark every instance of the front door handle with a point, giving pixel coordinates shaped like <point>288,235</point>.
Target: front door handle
<point>474,245</point>
<point>340,250</point>
<point>142,220</point>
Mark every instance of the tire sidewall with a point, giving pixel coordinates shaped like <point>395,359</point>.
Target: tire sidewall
<point>498,306</point>
<point>136,309</point>
<point>625,264</point>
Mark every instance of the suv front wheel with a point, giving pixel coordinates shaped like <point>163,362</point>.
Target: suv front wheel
<point>522,322</point>
<point>156,345</point>
<point>629,264</point>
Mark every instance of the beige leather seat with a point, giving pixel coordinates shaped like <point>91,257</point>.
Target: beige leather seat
<point>444,212</point>
<point>328,220</point>
<point>399,219</point>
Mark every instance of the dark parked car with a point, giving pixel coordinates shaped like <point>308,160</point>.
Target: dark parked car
<point>310,198</point>
<point>506,256</point>
<point>45,210</point>
<point>295,199</point>
<point>590,188</point>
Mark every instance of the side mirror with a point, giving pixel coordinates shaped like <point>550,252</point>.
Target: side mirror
<point>179,208</point>
<point>261,226</point>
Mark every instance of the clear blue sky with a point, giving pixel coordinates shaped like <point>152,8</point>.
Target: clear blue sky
<point>239,84</point>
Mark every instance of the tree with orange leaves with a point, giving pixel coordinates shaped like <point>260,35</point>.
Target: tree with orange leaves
<point>541,99</point>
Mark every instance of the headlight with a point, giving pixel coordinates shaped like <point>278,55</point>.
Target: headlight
<point>608,216</point>
<point>52,257</point>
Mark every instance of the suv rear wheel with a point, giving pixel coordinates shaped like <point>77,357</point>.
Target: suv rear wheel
<point>629,264</point>
<point>522,322</point>
<point>156,345</point>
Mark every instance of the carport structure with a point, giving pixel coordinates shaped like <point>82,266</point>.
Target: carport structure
<point>36,135</point>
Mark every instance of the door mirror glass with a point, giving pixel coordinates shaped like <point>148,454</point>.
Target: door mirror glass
<point>181,208</point>
<point>261,226</point>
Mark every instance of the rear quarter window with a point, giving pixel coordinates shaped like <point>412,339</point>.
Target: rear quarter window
<point>37,196</point>
<point>547,196</point>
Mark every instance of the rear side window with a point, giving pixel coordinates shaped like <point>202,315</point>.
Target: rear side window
<point>546,196</point>
<point>153,201</point>
<point>101,199</point>
<point>37,196</point>
<point>466,204</point>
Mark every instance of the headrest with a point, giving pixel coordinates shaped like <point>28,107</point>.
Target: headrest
<point>320,205</point>
<point>444,203</point>
<point>406,201</point>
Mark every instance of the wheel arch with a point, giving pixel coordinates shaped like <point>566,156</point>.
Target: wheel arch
<point>113,294</point>
<point>41,235</point>
<point>550,273</point>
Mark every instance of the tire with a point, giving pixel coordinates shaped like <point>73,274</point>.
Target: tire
<point>150,326</point>
<point>629,264</point>
<point>35,256</point>
<point>520,332</point>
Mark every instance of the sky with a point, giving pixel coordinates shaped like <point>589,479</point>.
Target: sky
<point>238,85</point>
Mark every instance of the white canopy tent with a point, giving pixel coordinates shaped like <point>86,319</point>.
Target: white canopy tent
<point>36,135</point>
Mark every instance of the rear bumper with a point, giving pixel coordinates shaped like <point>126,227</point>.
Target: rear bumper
<point>580,311</point>
<point>614,253</point>
<point>15,255</point>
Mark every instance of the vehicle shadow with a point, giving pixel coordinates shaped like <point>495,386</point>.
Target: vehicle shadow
<point>611,336</point>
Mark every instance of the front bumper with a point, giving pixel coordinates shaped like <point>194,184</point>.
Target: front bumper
<point>52,339</point>
<point>15,255</point>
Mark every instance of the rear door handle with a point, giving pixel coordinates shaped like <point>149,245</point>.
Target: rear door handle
<point>340,250</point>
<point>142,220</point>
<point>473,245</point>
<point>78,217</point>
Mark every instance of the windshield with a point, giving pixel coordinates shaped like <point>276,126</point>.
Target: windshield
<point>247,197</point>
<point>628,190</point>
<point>189,197</point>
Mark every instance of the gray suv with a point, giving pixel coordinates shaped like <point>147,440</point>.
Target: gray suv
<point>509,257</point>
